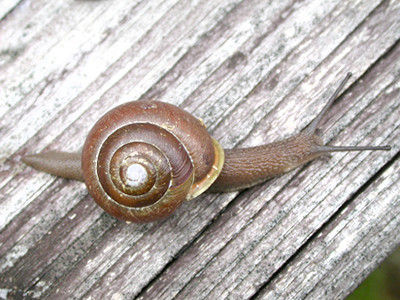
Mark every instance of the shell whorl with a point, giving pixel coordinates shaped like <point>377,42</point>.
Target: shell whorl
<point>143,159</point>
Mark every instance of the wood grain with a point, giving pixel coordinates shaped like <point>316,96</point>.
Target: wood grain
<point>253,71</point>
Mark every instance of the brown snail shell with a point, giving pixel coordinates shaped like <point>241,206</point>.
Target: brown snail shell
<point>142,159</point>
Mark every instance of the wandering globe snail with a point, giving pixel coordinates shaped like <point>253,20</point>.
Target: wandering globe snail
<point>142,159</point>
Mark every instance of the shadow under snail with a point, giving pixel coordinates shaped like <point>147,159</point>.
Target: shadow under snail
<point>142,159</point>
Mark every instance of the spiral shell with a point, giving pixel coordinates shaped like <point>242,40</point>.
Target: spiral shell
<point>142,159</point>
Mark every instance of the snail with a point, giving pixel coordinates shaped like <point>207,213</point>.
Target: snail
<point>142,159</point>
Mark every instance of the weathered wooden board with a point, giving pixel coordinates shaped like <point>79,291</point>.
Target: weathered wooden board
<point>255,71</point>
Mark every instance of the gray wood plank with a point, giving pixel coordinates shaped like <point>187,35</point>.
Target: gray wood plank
<point>328,266</point>
<point>254,72</point>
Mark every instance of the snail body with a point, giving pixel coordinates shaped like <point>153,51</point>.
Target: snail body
<point>142,159</point>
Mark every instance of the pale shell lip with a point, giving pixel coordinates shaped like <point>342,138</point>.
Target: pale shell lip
<point>203,185</point>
